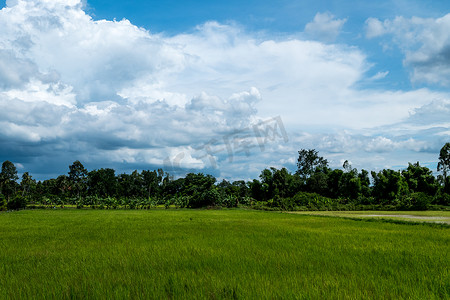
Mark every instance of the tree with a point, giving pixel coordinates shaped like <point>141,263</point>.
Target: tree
<point>78,176</point>
<point>308,161</point>
<point>8,178</point>
<point>444,160</point>
<point>266,177</point>
<point>240,188</point>
<point>318,181</point>
<point>151,182</point>
<point>62,185</point>
<point>347,166</point>
<point>102,182</point>
<point>365,183</point>
<point>27,184</point>
<point>131,185</point>
<point>420,179</point>
<point>389,185</point>
<point>256,190</point>
<point>277,183</point>
<point>197,186</point>
<point>333,183</point>
<point>350,183</point>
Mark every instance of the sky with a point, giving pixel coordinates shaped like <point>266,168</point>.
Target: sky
<point>226,88</point>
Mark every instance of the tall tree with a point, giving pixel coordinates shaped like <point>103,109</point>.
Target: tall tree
<point>350,183</point>
<point>420,179</point>
<point>62,184</point>
<point>102,182</point>
<point>389,185</point>
<point>78,176</point>
<point>365,183</point>
<point>27,184</point>
<point>151,182</point>
<point>197,187</point>
<point>308,161</point>
<point>8,178</point>
<point>444,160</point>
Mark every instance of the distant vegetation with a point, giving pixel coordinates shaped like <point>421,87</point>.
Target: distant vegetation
<point>314,186</point>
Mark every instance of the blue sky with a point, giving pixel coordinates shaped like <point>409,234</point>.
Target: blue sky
<point>222,87</point>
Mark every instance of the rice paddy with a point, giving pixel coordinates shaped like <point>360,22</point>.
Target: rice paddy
<point>217,254</point>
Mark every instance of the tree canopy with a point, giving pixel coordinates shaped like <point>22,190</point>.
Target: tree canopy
<point>313,186</point>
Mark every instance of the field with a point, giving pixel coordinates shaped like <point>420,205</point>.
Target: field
<point>218,254</point>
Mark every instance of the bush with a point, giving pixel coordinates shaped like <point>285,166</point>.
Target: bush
<point>313,201</point>
<point>80,203</point>
<point>207,198</point>
<point>416,201</point>
<point>302,198</point>
<point>287,204</point>
<point>17,202</point>
<point>442,198</point>
<point>247,201</point>
<point>181,201</point>
<point>230,201</point>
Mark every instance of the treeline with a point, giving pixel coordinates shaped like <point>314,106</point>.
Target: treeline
<point>314,186</point>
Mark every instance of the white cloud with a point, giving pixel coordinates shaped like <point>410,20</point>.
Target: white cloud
<point>108,91</point>
<point>325,27</point>
<point>425,43</point>
<point>374,28</point>
<point>379,75</point>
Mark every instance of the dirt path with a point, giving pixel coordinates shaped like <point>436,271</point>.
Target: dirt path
<point>421,218</point>
<point>431,219</point>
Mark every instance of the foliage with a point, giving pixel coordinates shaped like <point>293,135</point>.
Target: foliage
<point>313,186</point>
<point>308,161</point>
<point>230,201</point>
<point>8,177</point>
<point>442,198</point>
<point>389,185</point>
<point>17,202</point>
<point>420,179</point>
<point>78,177</point>
<point>416,201</point>
<point>444,160</point>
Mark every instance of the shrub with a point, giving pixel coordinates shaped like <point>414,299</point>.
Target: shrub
<point>415,201</point>
<point>181,201</point>
<point>168,202</point>
<point>17,202</point>
<point>442,198</point>
<point>208,198</point>
<point>287,203</point>
<point>230,201</point>
<point>80,203</point>
<point>247,201</point>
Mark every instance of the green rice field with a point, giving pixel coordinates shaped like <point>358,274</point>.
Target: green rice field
<point>218,254</point>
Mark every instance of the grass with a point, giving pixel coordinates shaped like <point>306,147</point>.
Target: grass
<point>219,254</point>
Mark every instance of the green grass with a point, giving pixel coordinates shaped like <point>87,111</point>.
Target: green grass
<point>217,254</point>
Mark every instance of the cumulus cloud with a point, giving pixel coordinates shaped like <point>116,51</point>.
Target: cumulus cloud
<point>437,113</point>
<point>374,28</point>
<point>325,27</point>
<point>111,93</point>
<point>425,43</point>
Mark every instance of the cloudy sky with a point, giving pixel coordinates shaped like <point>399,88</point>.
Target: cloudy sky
<point>222,87</point>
